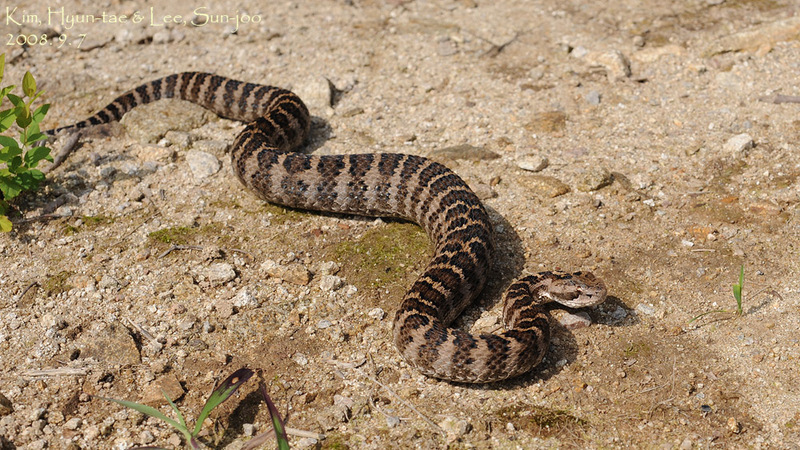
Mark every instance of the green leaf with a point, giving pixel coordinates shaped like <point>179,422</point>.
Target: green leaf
<point>175,409</point>
<point>36,154</point>
<point>5,224</point>
<point>34,135</point>
<point>9,187</point>
<point>28,84</point>
<point>8,153</point>
<point>15,100</point>
<point>150,411</point>
<point>6,141</point>
<point>40,112</point>
<point>23,114</point>
<point>7,118</point>
<point>222,393</point>
<point>277,422</point>
<point>6,90</point>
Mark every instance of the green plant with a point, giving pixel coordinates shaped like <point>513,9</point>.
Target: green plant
<point>219,395</point>
<point>21,156</point>
<point>737,295</point>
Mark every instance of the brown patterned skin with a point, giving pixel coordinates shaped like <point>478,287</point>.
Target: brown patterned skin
<point>387,185</point>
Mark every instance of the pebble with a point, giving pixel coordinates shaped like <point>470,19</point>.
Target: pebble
<point>455,428</point>
<point>618,313</point>
<point>112,345</point>
<point>249,429</point>
<point>739,145</point>
<point>146,437</point>
<point>323,324</point>
<point>593,98</point>
<point>73,424</point>
<point>486,322</point>
<point>300,359</point>
<point>152,394</point>
<point>294,273</point>
<point>330,283</point>
<point>616,64</point>
<point>594,178</point>
<point>202,164</point>
<point>465,152</point>
<point>6,407</point>
<point>544,186</point>
<point>376,313</point>
<point>392,421</point>
<point>646,309</point>
<point>576,321</point>
<point>220,273</point>
<point>532,162</point>
<point>180,139</point>
<point>245,298</point>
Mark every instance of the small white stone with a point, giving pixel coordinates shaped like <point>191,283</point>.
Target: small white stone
<point>377,313</point>
<point>202,164</point>
<point>220,273</point>
<point>72,424</point>
<point>576,321</point>
<point>300,359</point>
<point>330,283</point>
<point>739,144</point>
<point>646,309</point>
<point>245,298</point>
<point>532,162</point>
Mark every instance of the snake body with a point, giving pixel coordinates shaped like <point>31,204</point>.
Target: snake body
<point>410,187</point>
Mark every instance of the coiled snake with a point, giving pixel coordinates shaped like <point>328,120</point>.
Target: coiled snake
<point>388,185</point>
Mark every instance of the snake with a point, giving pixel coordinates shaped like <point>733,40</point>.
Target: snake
<point>265,158</point>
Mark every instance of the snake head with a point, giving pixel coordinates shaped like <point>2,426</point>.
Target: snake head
<point>577,289</point>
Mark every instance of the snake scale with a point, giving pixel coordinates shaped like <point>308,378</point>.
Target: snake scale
<point>385,185</point>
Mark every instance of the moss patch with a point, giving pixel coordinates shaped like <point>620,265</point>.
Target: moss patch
<point>383,256</point>
<point>57,283</point>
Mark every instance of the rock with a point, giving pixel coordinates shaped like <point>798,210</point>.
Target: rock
<point>245,298</point>
<point>324,323</point>
<point>248,429</point>
<point>455,428</point>
<point>739,145</point>
<point>544,186</point>
<point>6,407</point>
<point>652,54</point>
<point>220,273</point>
<point>576,321</point>
<point>328,268</point>
<point>180,139</point>
<point>377,313</point>
<point>616,64</point>
<point>594,178</point>
<point>446,47</point>
<point>202,164</point>
<point>330,283</point>
<point>593,98</point>
<point>547,122</point>
<point>486,322</point>
<point>465,151</point>
<point>169,384</point>
<point>761,37</point>
<point>646,309</point>
<point>112,345</point>
<point>294,273</point>
<point>72,424</point>
<point>618,313</point>
<point>532,162</point>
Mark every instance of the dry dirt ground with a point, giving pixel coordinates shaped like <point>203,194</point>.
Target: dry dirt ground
<point>653,143</point>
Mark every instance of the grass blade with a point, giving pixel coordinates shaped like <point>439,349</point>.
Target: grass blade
<point>175,408</point>
<point>277,422</point>
<point>150,411</point>
<point>222,393</point>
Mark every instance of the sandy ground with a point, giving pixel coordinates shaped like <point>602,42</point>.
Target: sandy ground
<point>653,143</point>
